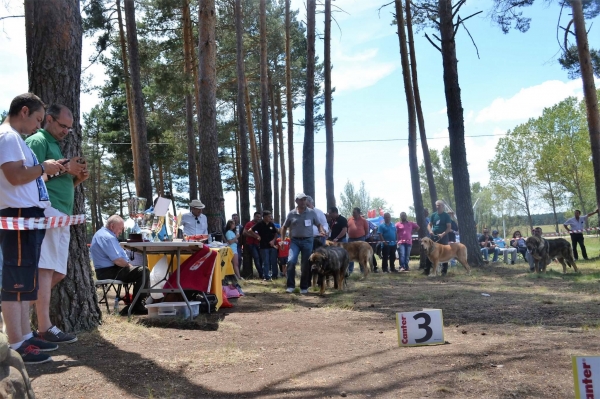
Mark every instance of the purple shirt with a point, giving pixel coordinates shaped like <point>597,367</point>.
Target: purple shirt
<point>404,230</point>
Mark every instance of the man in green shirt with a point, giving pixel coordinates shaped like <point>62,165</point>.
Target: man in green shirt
<point>439,226</point>
<point>57,124</point>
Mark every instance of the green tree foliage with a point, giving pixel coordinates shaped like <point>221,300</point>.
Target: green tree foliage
<point>165,85</point>
<point>442,175</point>
<point>351,198</point>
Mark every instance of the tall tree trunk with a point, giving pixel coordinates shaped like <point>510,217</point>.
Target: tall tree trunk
<point>211,189</point>
<point>456,128</point>
<point>54,70</point>
<point>253,153</point>
<point>188,45</point>
<point>143,184</point>
<point>422,133</point>
<point>275,152</point>
<point>267,191</point>
<point>289,105</point>
<point>329,151</point>
<point>412,128</point>
<point>130,111</point>
<point>589,90</point>
<point>281,155</point>
<point>241,117</point>
<point>308,151</point>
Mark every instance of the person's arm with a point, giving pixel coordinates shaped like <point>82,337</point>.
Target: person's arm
<point>283,230</point>
<point>121,262</point>
<point>18,174</point>
<point>429,228</point>
<point>567,227</point>
<point>448,229</point>
<point>342,234</point>
<point>591,213</point>
<point>416,227</point>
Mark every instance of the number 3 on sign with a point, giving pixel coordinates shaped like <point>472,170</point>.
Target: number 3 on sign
<point>420,328</point>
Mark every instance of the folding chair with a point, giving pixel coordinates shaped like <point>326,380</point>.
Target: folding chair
<point>114,285</point>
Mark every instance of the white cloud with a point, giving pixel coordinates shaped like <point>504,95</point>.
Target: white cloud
<point>529,102</point>
<point>359,70</point>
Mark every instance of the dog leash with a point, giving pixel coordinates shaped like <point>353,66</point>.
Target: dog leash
<point>50,222</point>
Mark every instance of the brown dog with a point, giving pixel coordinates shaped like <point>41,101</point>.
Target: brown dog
<point>440,253</point>
<point>358,251</point>
<point>329,261</point>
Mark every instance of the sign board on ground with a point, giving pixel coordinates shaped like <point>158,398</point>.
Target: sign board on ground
<point>586,375</point>
<point>425,327</point>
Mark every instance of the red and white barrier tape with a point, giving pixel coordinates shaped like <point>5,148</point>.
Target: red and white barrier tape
<point>14,223</point>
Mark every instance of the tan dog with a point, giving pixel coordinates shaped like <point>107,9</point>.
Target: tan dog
<point>358,251</point>
<point>440,253</point>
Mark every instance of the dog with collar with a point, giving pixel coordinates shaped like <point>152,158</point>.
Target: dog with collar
<point>543,251</point>
<point>440,253</point>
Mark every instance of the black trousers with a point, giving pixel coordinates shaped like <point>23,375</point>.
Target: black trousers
<point>428,264</point>
<point>388,253</point>
<point>127,275</point>
<point>577,238</point>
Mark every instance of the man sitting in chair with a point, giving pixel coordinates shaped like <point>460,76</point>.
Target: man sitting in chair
<point>488,245</point>
<point>501,245</point>
<point>112,263</point>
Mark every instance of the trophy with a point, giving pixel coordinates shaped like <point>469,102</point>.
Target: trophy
<point>136,207</point>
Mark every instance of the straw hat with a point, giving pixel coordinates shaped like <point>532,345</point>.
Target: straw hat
<point>197,204</point>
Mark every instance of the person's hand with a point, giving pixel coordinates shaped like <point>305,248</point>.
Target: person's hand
<point>76,166</point>
<point>335,240</point>
<point>52,167</point>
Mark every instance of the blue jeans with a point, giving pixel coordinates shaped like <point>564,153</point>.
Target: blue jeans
<point>404,254</point>
<point>255,250</point>
<point>485,252</point>
<point>351,264</point>
<point>299,246</point>
<point>269,259</point>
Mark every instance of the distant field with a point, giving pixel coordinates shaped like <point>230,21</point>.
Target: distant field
<point>546,228</point>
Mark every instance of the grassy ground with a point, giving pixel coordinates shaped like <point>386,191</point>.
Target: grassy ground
<point>515,343</point>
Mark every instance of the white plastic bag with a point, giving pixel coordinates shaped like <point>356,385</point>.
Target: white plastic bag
<point>157,274</point>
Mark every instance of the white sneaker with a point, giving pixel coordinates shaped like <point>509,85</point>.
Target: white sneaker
<point>289,290</point>
<point>304,291</point>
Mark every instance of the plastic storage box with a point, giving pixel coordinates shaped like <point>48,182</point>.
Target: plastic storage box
<point>172,309</point>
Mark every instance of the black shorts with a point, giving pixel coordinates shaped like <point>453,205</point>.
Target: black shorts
<point>282,261</point>
<point>21,253</point>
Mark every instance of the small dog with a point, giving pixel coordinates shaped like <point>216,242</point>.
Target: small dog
<point>543,251</point>
<point>329,261</point>
<point>358,251</point>
<point>440,253</point>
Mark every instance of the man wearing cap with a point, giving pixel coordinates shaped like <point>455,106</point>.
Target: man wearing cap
<point>577,223</point>
<point>300,222</point>
<point>488,245</point>
<point>194,222</point>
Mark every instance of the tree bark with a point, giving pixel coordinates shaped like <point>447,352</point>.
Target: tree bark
<point>456,129</point>
<point>267,191</point>
<point>186,23</point>
<point>211,189</point>
<point>308,152</point>
<point>329,151</point>
<point>241,117</point>
<point>130,111</point>
<point>589,90</point>
<point>275,152</point>
<point>289,105</point>
<point>412,128</point>
<point>253,153</point>
<point>143,184</point>
<point>420,119</point>
<point>54,39</point>
<point>281,156</point>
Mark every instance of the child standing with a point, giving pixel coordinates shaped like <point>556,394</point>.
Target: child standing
<point>283,251</point>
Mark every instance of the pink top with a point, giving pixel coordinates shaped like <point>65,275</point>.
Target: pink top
<point>404,231</point>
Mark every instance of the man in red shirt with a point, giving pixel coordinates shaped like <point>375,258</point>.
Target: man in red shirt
<point>253,242</point>
<point>358,230</point>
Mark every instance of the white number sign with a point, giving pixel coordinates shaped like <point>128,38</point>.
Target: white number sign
<point>586,375</point>
<point>420,328</point>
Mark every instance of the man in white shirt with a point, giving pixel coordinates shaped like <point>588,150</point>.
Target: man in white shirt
<point>577,224</point>
<point>23,193</point>
<point>310,203</point>
<point>195,222</point>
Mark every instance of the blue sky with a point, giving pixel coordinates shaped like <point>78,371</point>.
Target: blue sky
<point>516,77</point>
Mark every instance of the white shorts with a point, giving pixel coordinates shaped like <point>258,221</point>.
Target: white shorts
<point>55,247</point>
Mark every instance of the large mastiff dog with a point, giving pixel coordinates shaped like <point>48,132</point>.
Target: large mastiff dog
<point>358,251</point>
<point>329,261</point>
<point>440,253</point>
<point>542,251</point>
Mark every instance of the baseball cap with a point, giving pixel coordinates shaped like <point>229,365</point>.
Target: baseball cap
<point>495,232</point>
<point>300,196</point>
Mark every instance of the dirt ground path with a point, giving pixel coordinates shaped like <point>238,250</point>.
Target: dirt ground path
<point>516,343</point>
